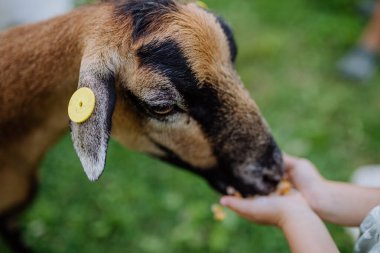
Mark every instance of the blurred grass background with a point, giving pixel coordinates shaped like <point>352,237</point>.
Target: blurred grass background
<point>287,55</point>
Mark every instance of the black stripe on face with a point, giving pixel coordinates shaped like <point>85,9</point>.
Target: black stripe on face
<point>145,14</point>
<point>203,103</point>
<point>167,58</point>
<point>230,37</point>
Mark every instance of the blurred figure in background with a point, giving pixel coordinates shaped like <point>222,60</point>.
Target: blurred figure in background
<point>16,12</point>
<point>360,64</point>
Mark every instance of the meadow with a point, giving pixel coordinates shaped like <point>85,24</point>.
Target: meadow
<point>287,56</point>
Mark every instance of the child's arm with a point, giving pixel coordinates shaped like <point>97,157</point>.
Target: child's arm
<point>303,229</point>
<point>348,204</point>
<point>339,203</point>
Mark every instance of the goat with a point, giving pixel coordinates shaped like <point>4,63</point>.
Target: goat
<point>163,76</point>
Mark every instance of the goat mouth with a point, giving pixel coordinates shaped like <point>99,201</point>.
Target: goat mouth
<point>244,191</point>
<point>229,185</point>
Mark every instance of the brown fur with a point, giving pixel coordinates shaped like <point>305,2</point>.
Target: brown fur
<point>41,66</point>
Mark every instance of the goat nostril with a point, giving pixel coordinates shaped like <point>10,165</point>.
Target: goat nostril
<point>271,180</point>
<point>271,177</point>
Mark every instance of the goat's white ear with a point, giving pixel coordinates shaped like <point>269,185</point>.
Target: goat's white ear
<point>91,137</point>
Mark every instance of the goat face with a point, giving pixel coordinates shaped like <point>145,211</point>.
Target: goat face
<point>179,98</point>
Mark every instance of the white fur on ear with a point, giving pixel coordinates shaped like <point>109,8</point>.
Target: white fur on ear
<point>93,164</point>
<point>91,137</point>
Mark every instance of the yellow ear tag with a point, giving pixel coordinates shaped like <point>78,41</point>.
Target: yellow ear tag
<point>202,4</point>
<point>81,105</point>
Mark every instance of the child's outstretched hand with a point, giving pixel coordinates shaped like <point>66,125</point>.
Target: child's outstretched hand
<point>336,202</point>
<point>270,210</point>
<point>307,180</point>
<point>302,228</point>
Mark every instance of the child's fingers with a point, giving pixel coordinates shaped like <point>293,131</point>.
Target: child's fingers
<point>290,162</point>
<point>248,207</point>
<point>236,204</point>
<point>262,210</point>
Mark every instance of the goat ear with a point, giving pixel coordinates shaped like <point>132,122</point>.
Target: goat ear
<point>91,137</point>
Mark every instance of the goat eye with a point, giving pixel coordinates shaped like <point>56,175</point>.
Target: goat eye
<point>162,110</point>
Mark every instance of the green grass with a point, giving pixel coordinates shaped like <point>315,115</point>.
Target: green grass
<point>287,54</point>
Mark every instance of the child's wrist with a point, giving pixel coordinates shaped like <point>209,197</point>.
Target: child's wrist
<point>318,195</point>
<point>291,217</point>
<point>323,201</point>
<point>293,211</point>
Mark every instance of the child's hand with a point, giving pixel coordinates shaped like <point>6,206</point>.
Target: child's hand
<point>336,202</point>
<point>302,228</point>
<point>307,180</point>
<point>270,210</point>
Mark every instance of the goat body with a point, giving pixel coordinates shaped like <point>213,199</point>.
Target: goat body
<point>39,71</point>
